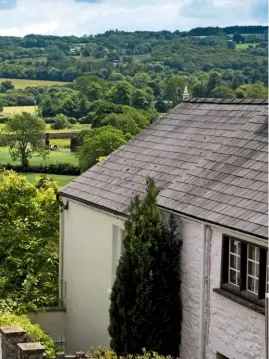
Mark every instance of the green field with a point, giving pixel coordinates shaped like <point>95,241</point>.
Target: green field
<point>13,110</point>
<point>61,179</point>
<point>244,46</point>
<point>54,157</point>
<point>23,83</point>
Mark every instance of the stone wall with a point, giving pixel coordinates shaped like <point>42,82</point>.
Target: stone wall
<point>15,344</point>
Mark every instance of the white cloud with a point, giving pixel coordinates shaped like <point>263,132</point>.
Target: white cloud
<point>67,17</point>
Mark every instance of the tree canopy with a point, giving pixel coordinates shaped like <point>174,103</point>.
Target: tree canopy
<point>29,242</point>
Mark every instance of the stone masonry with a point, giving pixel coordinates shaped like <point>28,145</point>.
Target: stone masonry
<point>16,344</point>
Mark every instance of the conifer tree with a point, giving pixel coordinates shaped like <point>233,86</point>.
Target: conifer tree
<point>145,309</point>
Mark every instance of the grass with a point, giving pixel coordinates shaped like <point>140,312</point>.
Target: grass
<point>54,157</point>
<point>13,110</point>
<point>61,179</point>
<point>245,45</point>
<point>23,83</point>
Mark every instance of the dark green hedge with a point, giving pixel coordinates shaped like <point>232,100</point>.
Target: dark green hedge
<point>58,168</point>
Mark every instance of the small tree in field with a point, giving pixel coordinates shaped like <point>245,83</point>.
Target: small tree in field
<point>145,309</point>
<point>25,137</point>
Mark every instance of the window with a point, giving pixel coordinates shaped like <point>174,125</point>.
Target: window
<point>244,267</point>
<point>253,264</point>
<point>234,262</point>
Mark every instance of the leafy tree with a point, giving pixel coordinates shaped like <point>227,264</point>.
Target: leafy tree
<point>173,89</point>
<point>24,137</point>
<point>6,85</point>
<point>222,92</point>
<point>145,299</point>
<point>1,106</point>
<point>200,90</point>
<point>29,217</point>
<point>213,81</point>
<point>94,91</point>
<point>141,99</point>
<point>99,143</point>
<point>121,93</point>
<point>123,122</point>
<point>238,38</point>
<point>61,122</point>
<point>254,91</point>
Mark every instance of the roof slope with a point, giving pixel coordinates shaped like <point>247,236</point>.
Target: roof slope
<point>208,157</point>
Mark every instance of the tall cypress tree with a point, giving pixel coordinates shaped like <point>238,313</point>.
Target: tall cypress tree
<point>145,309</point>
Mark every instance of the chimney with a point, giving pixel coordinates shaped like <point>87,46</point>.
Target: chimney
<point>185,93</point>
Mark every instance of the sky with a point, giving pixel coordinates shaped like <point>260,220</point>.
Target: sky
<point>79,17</point>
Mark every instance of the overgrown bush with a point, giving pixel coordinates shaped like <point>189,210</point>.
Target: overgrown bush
<point>32,330</point>
<point>53,168</point>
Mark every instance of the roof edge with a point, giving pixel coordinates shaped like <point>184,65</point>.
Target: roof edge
<point>228,101</point>
<point>125,215</point>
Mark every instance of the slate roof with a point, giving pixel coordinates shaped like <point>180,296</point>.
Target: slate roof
<point>207,156</point>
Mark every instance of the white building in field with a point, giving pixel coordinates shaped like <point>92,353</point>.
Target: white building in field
<point>209,159</point>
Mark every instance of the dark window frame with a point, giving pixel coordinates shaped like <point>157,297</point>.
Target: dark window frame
<point>242,290</point>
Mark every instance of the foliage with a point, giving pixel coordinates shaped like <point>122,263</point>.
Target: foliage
<point>100,143</point>
<point>147,313</point>
<point>52,168</point>
<point>254,91</point>
<point>32,330</point>
<point>61,122</point>
<point>103,353</point>
<point>24,137</point>
<point>28,241</point>
<point>223,92</point>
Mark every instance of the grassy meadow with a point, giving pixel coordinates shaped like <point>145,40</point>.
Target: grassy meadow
<point>14,110</point>
<point>244,46</point>
<point>54,157</point>
<point>23,83</point>
<point>61,179</point>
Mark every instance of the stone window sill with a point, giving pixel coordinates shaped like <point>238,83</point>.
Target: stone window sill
<point>240,300</point>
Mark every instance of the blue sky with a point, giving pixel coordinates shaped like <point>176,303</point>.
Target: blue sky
<point>78,17</point>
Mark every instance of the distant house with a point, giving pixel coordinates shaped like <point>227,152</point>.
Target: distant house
<point>209,159</point>
<point>72,51</point>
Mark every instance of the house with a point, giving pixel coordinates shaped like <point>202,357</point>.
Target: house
<point>209,159</point>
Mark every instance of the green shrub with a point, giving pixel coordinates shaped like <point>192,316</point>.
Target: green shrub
<point>104,353</point>
<point>61,122</point>
<point>32,330</point>
<point>53,168</point>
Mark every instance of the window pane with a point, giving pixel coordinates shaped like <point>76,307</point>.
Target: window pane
<point>232,276</point>
<point>238,278</point>
<point>233,260</point>
<point>257,269</point>
<point>238,262</point>
<point>234,246</point>
<point>251,252</point>
<point>251,284</point>
<point>251,268</point>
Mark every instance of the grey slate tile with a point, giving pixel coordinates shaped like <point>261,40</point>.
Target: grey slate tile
<point>208,156</point>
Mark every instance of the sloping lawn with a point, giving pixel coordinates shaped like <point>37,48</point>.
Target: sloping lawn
<point>54,157</point>
<point>61,179</point>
